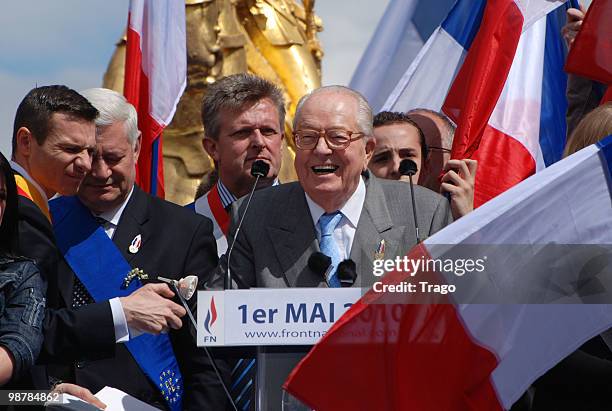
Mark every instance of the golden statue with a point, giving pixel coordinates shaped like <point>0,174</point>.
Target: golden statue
<point>275,39</point>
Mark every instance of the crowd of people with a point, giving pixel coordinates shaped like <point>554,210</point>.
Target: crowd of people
<point>74,225</point>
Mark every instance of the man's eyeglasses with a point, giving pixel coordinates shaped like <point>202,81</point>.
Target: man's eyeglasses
<point>336,139</point>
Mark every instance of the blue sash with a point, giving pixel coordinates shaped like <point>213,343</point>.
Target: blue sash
<point>98,263</point>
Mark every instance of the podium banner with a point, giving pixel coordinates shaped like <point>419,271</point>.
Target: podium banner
<point>264,316</point>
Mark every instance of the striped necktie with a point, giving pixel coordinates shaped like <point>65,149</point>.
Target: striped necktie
<point>327,224</point>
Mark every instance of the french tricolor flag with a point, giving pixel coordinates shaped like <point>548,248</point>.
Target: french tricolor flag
<point>545,290</point>
<point>155,78</point>
<point>496,69</point>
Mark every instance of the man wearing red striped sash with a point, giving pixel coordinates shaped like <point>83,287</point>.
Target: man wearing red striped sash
<point>243,117</point>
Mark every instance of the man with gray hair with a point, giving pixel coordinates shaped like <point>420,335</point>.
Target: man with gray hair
<point>337,207</point>
<point>112,236</point>
<point>243,117</point>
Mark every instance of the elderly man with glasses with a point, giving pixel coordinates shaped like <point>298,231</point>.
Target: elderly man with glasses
<point>337,207</point>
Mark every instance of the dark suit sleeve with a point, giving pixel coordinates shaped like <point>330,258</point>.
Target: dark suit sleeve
<point>36,239</point>
<point>202,388</point>
<point>67,332</point>
<point>87,332</point>
<point>74,334</point>
<point>580,381</point>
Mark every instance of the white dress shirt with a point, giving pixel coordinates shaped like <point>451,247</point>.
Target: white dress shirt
<point>122,332</point>
<point>344,233</point>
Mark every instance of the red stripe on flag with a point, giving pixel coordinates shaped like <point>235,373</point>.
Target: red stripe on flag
<point>608,96</point>
<point>481,79</point>
<point>591,53</point>
<point>136,91</point>
<point>392,354</point>
<point>502,163</point>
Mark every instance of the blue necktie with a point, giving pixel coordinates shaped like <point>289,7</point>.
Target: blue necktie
<point>327,224</point>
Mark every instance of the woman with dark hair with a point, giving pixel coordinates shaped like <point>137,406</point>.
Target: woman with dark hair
<point>22,301</point>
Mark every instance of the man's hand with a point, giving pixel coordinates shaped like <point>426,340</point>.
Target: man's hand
<point>458,181</point>
<point>574,22</point>
<point>149,309</point>
<point>79,392</point>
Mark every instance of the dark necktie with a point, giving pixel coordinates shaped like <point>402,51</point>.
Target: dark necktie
<point>80,295</point>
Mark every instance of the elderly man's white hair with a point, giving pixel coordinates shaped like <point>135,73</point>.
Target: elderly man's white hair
<point>364,113</point>
<point>113,108</point>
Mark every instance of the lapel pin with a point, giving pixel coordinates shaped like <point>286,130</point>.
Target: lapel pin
<point>135,246</point>
<point>380,251</point>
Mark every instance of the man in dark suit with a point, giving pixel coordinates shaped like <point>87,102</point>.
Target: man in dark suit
<point>93,332</point>
<point>53,141</point>
<point>337,207</point>
<point>244,119</point>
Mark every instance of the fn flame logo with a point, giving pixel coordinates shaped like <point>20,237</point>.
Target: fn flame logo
<point>211,316</point>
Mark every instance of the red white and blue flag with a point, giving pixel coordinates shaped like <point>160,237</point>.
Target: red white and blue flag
<point>591,54</point>
<point>547,240</point>
<point>496,69</point>
<point>155,78</point>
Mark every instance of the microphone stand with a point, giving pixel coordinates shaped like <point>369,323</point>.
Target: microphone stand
<point>418,238</point>
<point>206,350</point>
<point>258,169</point>
<point>409,168</point>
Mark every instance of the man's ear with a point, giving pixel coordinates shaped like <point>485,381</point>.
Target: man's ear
<point>24,140</point>
<point>369,150</point>
<point>211,147</point>
<point>425,169</point>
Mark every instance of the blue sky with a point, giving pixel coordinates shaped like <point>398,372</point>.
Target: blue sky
<point>70,42</point>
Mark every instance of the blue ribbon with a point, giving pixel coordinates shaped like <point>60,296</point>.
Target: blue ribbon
<point>101,267</point>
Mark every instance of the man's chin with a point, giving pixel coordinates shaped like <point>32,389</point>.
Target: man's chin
<point>99,198</point>
<point>69,189</point>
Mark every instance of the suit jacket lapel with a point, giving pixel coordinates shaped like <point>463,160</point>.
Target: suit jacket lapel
<point>132,223</point>
<point>294,240</point>
<point>375,224</point>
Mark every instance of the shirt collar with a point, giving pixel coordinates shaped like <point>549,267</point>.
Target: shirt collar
<point>351,209</point>
<point>227,198</point>
<point>113,216</point>
<point>15,166</point>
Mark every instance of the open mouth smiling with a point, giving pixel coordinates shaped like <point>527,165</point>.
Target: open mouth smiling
<point>324,169</point>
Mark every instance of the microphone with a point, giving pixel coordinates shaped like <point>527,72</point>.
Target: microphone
<point>347,273</point>
<point>186,286</point>
<point>259,169</point>
<point>320,264</point>
<point>409,168</point>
